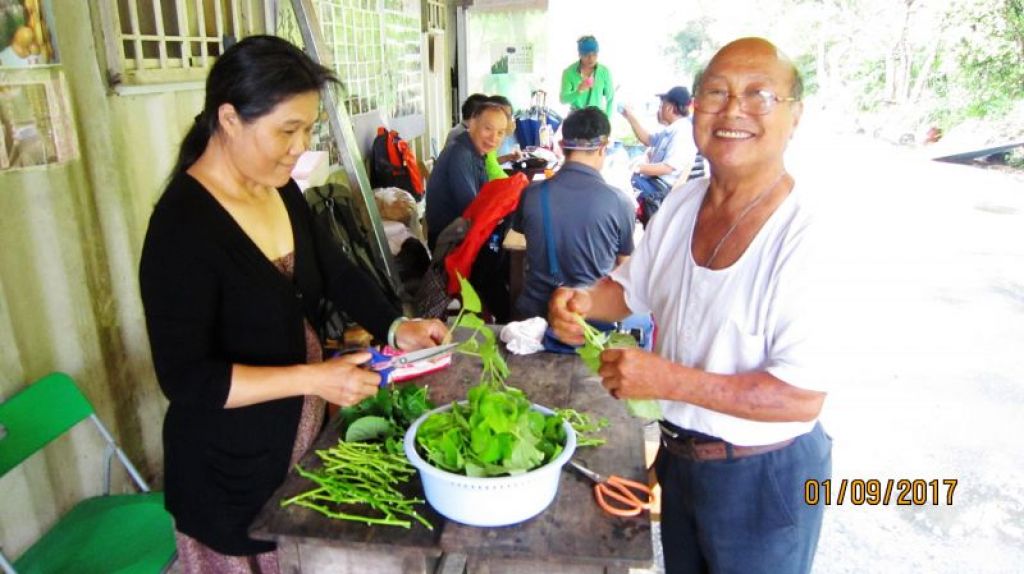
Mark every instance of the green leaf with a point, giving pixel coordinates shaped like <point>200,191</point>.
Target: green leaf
<point>618,340</point>
<point>470,300</point>
<point>524,456</point>
<point>477,470</point>
<point>492,453</point>
<point>368,428</point>
<point>400,405</point>
<point>480,439</point>
<point>591,357</point>
<point>645,409</point>
<point>498,411</point>
<point>410,403</point>
<point>470,322</point>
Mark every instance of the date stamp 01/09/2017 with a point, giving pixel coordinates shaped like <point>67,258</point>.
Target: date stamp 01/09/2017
<point>876,492</point>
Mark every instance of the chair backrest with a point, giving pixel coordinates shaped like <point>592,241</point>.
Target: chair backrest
<point>37,415</point>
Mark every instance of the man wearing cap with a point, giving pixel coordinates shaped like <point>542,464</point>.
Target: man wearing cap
<point>585,83</point>
<point>577,227</point>
<point>671,150</point>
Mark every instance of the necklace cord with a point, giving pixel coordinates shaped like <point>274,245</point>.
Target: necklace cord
<point>736,222</point>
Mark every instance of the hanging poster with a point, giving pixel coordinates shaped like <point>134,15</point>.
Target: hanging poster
<point>35,119</point>
<point>511,58</point>
<point>25,37</point>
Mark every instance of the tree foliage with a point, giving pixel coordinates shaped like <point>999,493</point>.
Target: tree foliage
<point>930,62</point>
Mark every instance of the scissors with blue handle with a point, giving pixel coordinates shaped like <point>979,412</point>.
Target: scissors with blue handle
<point>627,493</point>
<point>385,364</point>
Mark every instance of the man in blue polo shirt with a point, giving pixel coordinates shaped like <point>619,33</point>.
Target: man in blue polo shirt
<point>577,227</point>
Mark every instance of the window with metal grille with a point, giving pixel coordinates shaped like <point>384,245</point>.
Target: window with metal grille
<point>435,14</point>
<point>375,50</point>
<point>161,41</point>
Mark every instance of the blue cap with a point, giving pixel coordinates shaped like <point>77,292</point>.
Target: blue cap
<point>678,95</point>
<point>586,45</point>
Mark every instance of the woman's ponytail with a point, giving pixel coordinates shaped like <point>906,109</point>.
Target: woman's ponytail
<point>194,144</point>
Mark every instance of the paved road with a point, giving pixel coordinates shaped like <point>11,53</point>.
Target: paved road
<point>927,264</point>
<point>927,274</point>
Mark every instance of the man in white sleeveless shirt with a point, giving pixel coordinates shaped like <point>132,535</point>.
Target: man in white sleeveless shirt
<point>727,271</point>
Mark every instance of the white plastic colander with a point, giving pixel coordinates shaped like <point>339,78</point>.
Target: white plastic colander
<point>489,501</point>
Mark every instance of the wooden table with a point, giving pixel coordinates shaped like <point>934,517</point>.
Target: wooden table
<point>572,536</point>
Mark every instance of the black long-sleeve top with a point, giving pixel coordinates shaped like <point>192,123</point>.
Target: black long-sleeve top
<point>212,299</point>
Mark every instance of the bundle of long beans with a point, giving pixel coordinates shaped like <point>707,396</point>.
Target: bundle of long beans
<point>364,474</point>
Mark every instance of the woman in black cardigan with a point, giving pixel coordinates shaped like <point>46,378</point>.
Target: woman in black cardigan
<point>232,272</point>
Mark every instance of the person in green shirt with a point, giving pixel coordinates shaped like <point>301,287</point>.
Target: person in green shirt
<point>585,83</point>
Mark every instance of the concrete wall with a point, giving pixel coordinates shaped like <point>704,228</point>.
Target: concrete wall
<point>71,236</point>
<point>70,239</point>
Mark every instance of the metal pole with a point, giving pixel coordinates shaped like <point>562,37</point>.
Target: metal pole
<point>341,129</point>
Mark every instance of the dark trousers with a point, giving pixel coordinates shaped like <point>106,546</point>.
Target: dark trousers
<point>745,515</point>
<point>490,275</point>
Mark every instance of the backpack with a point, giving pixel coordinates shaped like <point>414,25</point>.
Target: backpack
<point>338,211</point>
<point>393,164</point>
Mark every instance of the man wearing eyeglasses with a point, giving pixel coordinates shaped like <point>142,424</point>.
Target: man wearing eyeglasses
<point>671,150</point>
<point>727,270</point>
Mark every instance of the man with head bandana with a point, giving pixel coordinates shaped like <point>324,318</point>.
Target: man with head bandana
<point>577,227</point>
<point>585,83</point>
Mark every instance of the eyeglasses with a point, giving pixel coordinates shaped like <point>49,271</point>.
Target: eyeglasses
<point>755,102</point>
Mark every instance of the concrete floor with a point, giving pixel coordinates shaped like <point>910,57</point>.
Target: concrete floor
<point>928,272</point>
<point>926,265</point>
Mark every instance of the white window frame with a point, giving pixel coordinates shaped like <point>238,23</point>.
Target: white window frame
<point>165,72</point>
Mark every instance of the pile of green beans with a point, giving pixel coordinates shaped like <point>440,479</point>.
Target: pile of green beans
<point>360,474</point>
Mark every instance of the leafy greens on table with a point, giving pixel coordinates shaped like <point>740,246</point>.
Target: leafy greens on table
<point>494,433</point>
<point>385,415</point>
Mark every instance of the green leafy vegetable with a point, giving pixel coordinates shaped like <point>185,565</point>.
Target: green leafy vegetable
<point>594,343</point>
<point>356,477</point>
<point>495,433</point>
<point>495,369</point>
<point>368,428</point>
<point>648,409</point>
<point>390,412</point>
<point>470,300</point>
<point>585,425</point>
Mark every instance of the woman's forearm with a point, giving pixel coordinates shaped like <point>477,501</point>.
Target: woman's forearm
<point>253,385</point>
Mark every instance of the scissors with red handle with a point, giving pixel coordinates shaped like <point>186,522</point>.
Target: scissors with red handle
<point>385,364</point>
<point>630,497</point>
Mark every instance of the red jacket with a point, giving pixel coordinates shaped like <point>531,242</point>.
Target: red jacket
<point>495,201</point>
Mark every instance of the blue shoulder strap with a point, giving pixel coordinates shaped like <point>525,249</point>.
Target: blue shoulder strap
<point>545,208</point>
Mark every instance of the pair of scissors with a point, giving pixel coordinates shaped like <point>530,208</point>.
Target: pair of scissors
<point>385,364</point>
<point>632,497</point>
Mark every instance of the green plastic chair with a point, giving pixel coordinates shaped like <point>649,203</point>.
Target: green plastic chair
<point>108,533</point>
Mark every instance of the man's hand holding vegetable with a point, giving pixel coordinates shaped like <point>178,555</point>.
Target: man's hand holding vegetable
<point>627,373</point>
